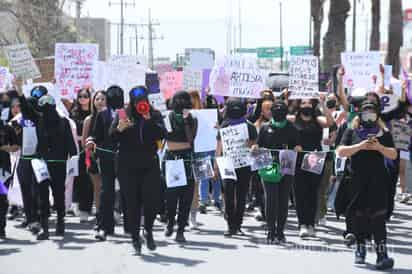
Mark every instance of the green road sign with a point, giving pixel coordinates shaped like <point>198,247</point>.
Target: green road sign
<point>301,50</point>
<point>245,50</point>
<point>269,52</point>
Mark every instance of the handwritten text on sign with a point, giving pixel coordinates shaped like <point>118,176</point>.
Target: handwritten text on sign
<point>304,77</point>
<point>401,133</point>
<point>236,77</point>
<point>361,69</point>
<point>21,62</point>
<point>170,83</point>
<point>74,67</point>
<point>234,142</point>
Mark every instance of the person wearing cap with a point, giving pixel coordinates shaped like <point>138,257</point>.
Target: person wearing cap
<point>137,134</point>
<point>99,137</point>
<point>368,144</point>
<point>235,192</point>
<point>180,145</point>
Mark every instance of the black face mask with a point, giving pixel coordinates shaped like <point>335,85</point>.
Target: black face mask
<point>235,109</point>
<point>307,111</point>
<point>181,101</point>
<point>115,98</point>
<point>50,114</point>
<point>331,103</point>
<point>279,113</point>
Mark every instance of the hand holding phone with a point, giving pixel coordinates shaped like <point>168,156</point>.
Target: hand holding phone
<point>122,114</point>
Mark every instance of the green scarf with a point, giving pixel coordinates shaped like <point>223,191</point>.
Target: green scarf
<point>278,124</point>
<point>179,118</point>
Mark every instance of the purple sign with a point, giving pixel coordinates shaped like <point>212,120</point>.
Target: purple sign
<point>205,86</point>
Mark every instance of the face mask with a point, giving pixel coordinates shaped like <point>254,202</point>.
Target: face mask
<point>142,107</point>
<point>307,111</point>
<point>368,119</point>
<point>331,103</point>
<point>279,114</point>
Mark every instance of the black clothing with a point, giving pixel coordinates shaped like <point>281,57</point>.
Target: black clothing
<point>180,127</point>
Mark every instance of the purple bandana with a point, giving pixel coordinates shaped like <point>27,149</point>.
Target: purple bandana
<point>363,132</point>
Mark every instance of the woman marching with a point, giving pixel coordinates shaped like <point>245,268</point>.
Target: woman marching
<point>138,131</point>
<point>369,144</point>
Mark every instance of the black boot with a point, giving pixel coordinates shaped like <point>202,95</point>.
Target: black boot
<point>137,245</point>
<point>360,254</point>
<point>60,227</point>
<point>383,261</point>
<point>44,233</point>
<point>169,229</point>
<point>150,243</point>
<point>180,237</point>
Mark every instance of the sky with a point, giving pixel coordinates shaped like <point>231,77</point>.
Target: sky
<point>201,23</point>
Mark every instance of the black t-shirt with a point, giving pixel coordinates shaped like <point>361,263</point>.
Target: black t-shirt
<point>7,137</point>
<point>309,134</point>
<point>278,138</point>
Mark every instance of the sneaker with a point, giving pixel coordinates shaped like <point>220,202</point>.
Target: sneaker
<point>34,228</point>
<point>193,222</point>
<point>229,233</point>
<point>218,206</point>
<point>180,237</point>
<point>44,235</point>
<point>405,198</point>
<point>150,243</point>
<point>303,231</point>
<point>137,245</point>
<point>75,209</point>
<point>281,239</point>
<point>311,231</point>
<point>239,232</point>
<point>84,217</point>
<point>259,218</point>
<point>169,231</point>
<point>383,262</point>
<point>100,235</point>
<point>202,209</point>
<point>350,239</point>
<point>360,254</point>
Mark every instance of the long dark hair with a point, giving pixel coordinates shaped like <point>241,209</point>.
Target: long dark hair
<point>94,111</point>
<point>77,112</point>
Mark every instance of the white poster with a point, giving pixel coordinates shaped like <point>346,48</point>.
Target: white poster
<point>29,142</point>
<point>175,173</point>
<point>192,79</point>
<point>5,79</point>
<point>201,60</point>
<point>389,102</point>
<point>40,170</point>
<point>234,142</point>
<point>72,166</point>
<point>361,69</point>
<point>237,76</point>
<point>304,77</point>
<point>226,168</point>
<point>21,62</point>
<point>74,67</point>
<point>206,129</point>
<point>158,102</point>
<point>387,76</point>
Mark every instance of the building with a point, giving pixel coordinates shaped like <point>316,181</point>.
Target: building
<point>97,30</point>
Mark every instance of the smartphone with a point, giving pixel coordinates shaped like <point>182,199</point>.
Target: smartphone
<point>122,114</point>
<point>371,137</point>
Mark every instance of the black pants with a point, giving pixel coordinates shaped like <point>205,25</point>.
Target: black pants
<point>4,205</point>
<point>28,190</point>
<point>106,210</point>
<point>365,226</point>
<point>256,191</point>
<point>235,197</point>
<point>276,200</point>
<point>57,184</point>
<point>306,195</point>
<point>180,197</point>
<point>83,187</point>
<point>141,188</point>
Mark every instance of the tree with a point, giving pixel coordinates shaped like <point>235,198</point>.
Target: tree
<point>316,11</point>
<point>375,38</point>
<point>395,38</point>
<point>334,42</point>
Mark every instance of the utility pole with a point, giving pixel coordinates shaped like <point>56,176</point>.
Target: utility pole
<point>354,26</point>
<point>240,24</point>
<point>123,5</point>
<point>281,35</point>
<point>151,37</point>
<point>118,25</point>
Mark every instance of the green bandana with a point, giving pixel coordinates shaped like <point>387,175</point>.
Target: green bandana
<point>179,118</point>
<point>278,124</point>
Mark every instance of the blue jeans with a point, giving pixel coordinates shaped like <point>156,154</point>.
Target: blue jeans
<point>204,184</point>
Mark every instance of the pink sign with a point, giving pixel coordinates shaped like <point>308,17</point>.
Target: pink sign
<point>170,83</point>
<point>162,68</point>
<point>74,67</point>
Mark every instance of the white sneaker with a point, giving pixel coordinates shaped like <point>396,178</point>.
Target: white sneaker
<point>303,232</point>
<point>75,208</point>
<point>193,222</point>
<point>322,221</point>
<point>84,216</point>
<point>311,231</point>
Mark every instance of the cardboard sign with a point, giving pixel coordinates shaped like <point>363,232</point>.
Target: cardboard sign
<point>226,168</point>
<point>287,159</point>
<point>361,69</point>
<point>304,77</point>
<point>21,62</point>
<point>170,83</point>
<point>314,162</point>
<point>206,129</point>
<point>152,82</point>
<point>401,133</point>
<point>236,76</point>
<point>40,170</point>
<point>100,76</point>
<point>192,79</point>
<point>261,158</point>
<point>175,173</point>
<point>234,142</point>
<point>74,67</point>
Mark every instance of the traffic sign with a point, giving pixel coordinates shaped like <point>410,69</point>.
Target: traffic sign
<point>245,50</point>
<point>301,50</point>
<point>270,52</point>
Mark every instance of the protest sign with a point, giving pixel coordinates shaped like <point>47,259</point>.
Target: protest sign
<point>170,83</point>
<point>234,142</point>
<point>162,68</point>
<point>202,169</point>
<point>152,82</point>
<point>192,79</point>
<point>361,69</point>
<point>261,158</point>
<point>5,79</point>
<point>74,67</point>
<point>126,72</point>
<point>201,60</point>
<point>314,162</point>
<point>158,102</point>
<point>175,173</point>
<point>387,76</point>
<point>40,170</point>
<point>29,141</point>
<point>389,102</point>
<point>236,76</point>
<point>72,166</point>
<point>304,77</point>
<point>287,159</point>
<point>396,86</point>
<point>401,133</point>
<point>100,76</point>
<point>206,129</point>
<point>21,62</point>
<point>226,168</point>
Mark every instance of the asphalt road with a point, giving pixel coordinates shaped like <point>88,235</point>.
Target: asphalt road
<point>207,251</point>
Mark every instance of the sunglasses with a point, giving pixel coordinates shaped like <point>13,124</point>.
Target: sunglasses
<point>136,92</point>
<point>84,96</point>
<point>37,93</point>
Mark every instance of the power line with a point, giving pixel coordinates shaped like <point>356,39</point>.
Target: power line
<point>123,5</point>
